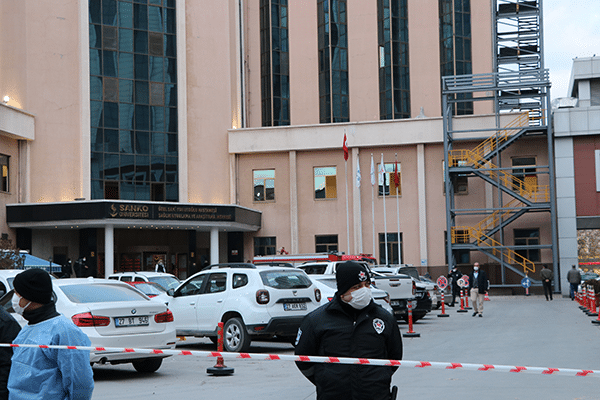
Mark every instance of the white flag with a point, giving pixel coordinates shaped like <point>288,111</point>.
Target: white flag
<point>372,171</point>
<point>382,170</point>
<point>358,176</point>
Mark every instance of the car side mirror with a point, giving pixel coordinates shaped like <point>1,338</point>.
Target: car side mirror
<point>171,292</point>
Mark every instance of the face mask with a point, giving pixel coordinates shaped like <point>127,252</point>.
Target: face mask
<point>16,306</point>
<point>476,269</point>
<point>360,298</point>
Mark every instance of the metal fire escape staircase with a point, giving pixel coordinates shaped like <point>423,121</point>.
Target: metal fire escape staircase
<point>519,88</point>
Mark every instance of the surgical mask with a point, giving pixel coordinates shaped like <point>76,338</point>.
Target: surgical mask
<point>361,298</point>
<point>476,269</point>
<point>16,306</point>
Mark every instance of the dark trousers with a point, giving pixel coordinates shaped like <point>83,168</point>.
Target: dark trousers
<point>573,289</point>
<point>455,292</point>
<point>547,288</point>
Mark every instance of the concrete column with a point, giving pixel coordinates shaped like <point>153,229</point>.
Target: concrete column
<point>214,245</point>
<point>109,250</point>
<point>294,244</point>
<point>422,203</point>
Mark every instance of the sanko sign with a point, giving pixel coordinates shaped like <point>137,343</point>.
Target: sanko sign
<point>99,212</point>
<point>182,212</point>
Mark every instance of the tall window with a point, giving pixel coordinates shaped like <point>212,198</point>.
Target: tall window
<point>333,61</point>
<point>133,100</point>
<point>388,182</point>
<point>528,237</point>
<point>326,243</point>
<point>394,77</point>
<point>265,246</point>
<point>455,46</point>
<point>325,182</point>
<point>274,61</point>
<point>4,165</point>
<point>264,184</point>
<point>394,248</point>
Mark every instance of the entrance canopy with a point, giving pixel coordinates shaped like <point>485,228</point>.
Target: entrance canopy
<point>133,214</point>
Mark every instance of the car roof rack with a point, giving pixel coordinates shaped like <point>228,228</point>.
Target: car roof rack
<point>230,265</point>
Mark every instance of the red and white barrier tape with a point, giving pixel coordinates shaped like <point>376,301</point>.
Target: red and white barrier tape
<point>328,360</point>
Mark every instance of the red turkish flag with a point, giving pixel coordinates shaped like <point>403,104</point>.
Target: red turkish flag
<point>345,147</point>
<point>396,176</point>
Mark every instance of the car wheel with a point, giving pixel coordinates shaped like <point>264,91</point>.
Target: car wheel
<point>235,337</point>
<point>148,365</point>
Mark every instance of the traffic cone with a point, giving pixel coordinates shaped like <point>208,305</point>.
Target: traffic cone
<point>443,314</point>
<point>410,332</point>
<point>220,369</point>
<point>487,298</point>
<point>462,303</point>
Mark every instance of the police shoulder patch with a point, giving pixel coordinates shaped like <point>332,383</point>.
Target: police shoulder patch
<point>379,325</point>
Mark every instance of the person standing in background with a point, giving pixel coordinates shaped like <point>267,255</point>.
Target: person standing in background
<point>547,277</point>
<point>574,278</point>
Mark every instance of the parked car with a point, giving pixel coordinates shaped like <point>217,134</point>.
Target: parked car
<point>167,281</point>
<point>6,279</point>
<point>253,301</point>
<point>113,314</point>
<point>328,286</point>
<point>152,290</point>
<point>401,288</point>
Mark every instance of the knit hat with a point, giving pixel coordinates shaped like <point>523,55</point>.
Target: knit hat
<point>34,285</point>
<point>350,273</point>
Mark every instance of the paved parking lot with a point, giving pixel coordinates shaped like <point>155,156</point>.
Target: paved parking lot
<point>517,330</point>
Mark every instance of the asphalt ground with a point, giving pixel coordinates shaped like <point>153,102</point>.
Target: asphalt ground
<point>514,331</point>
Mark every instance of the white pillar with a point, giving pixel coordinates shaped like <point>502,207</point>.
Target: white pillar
<point>294,234</point>
<point>421,171</point>
<point>109,249</point>
<point>214,245</point>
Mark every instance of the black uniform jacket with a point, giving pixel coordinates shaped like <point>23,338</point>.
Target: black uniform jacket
<point>331,330</point>
<point>482,282</point>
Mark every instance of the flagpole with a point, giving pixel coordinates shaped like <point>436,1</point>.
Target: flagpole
<point>347,212</point>
<point>397,210</point>
<point>373,202</point>
<point>384,216</point>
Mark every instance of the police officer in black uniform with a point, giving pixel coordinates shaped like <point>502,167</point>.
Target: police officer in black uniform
<point>453,277</point>
<point>350,325</point>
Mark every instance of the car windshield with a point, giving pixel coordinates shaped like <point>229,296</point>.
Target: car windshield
<point>167,282</point>
<point>100,293</point>
<point>150,288</point>
<point>285,279</point>
<point>10,282</point>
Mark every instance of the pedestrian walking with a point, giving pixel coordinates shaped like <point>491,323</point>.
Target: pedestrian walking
<point>350,325</point>
<point>42,373</point>
<point>9,329</point>
<point>453,278</point>
<point>478,286</point>
<point>574,279</point>
<point>547,277</point>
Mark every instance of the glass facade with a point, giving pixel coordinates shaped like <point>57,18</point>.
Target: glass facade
<point>333,61</point>
<point>133,100</point>
<point>455,46</point>
<point>274,63</point>
<point>394,76</point>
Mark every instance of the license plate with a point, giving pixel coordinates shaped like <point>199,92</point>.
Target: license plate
<point>131,321</point>
<point>394,303</point>
<point>294,307</point>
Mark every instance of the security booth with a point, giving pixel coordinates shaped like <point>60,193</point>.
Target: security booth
<point>185,237</point>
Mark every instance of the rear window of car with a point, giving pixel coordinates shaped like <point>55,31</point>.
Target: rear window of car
<point>168,282</point>
<point>100,293</point>
<point>149,288</point>
<point>285,279</point>
<point>313,269</point>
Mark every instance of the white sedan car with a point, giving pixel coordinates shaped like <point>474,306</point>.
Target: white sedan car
<point>113,314</point>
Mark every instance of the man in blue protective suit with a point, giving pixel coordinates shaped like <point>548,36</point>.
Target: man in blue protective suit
<point>38,373</point>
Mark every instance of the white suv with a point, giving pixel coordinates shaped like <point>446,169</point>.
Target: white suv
<point>253,301</point>
<point>167,281</point>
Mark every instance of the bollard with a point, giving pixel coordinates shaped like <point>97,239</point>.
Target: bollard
<point>219,369</point>
<point>593,312</point>
<point>410,332</point>
<point>462,303</point>
<point>487,298</point>
<point>443,314</point>
<point>467,300</point>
